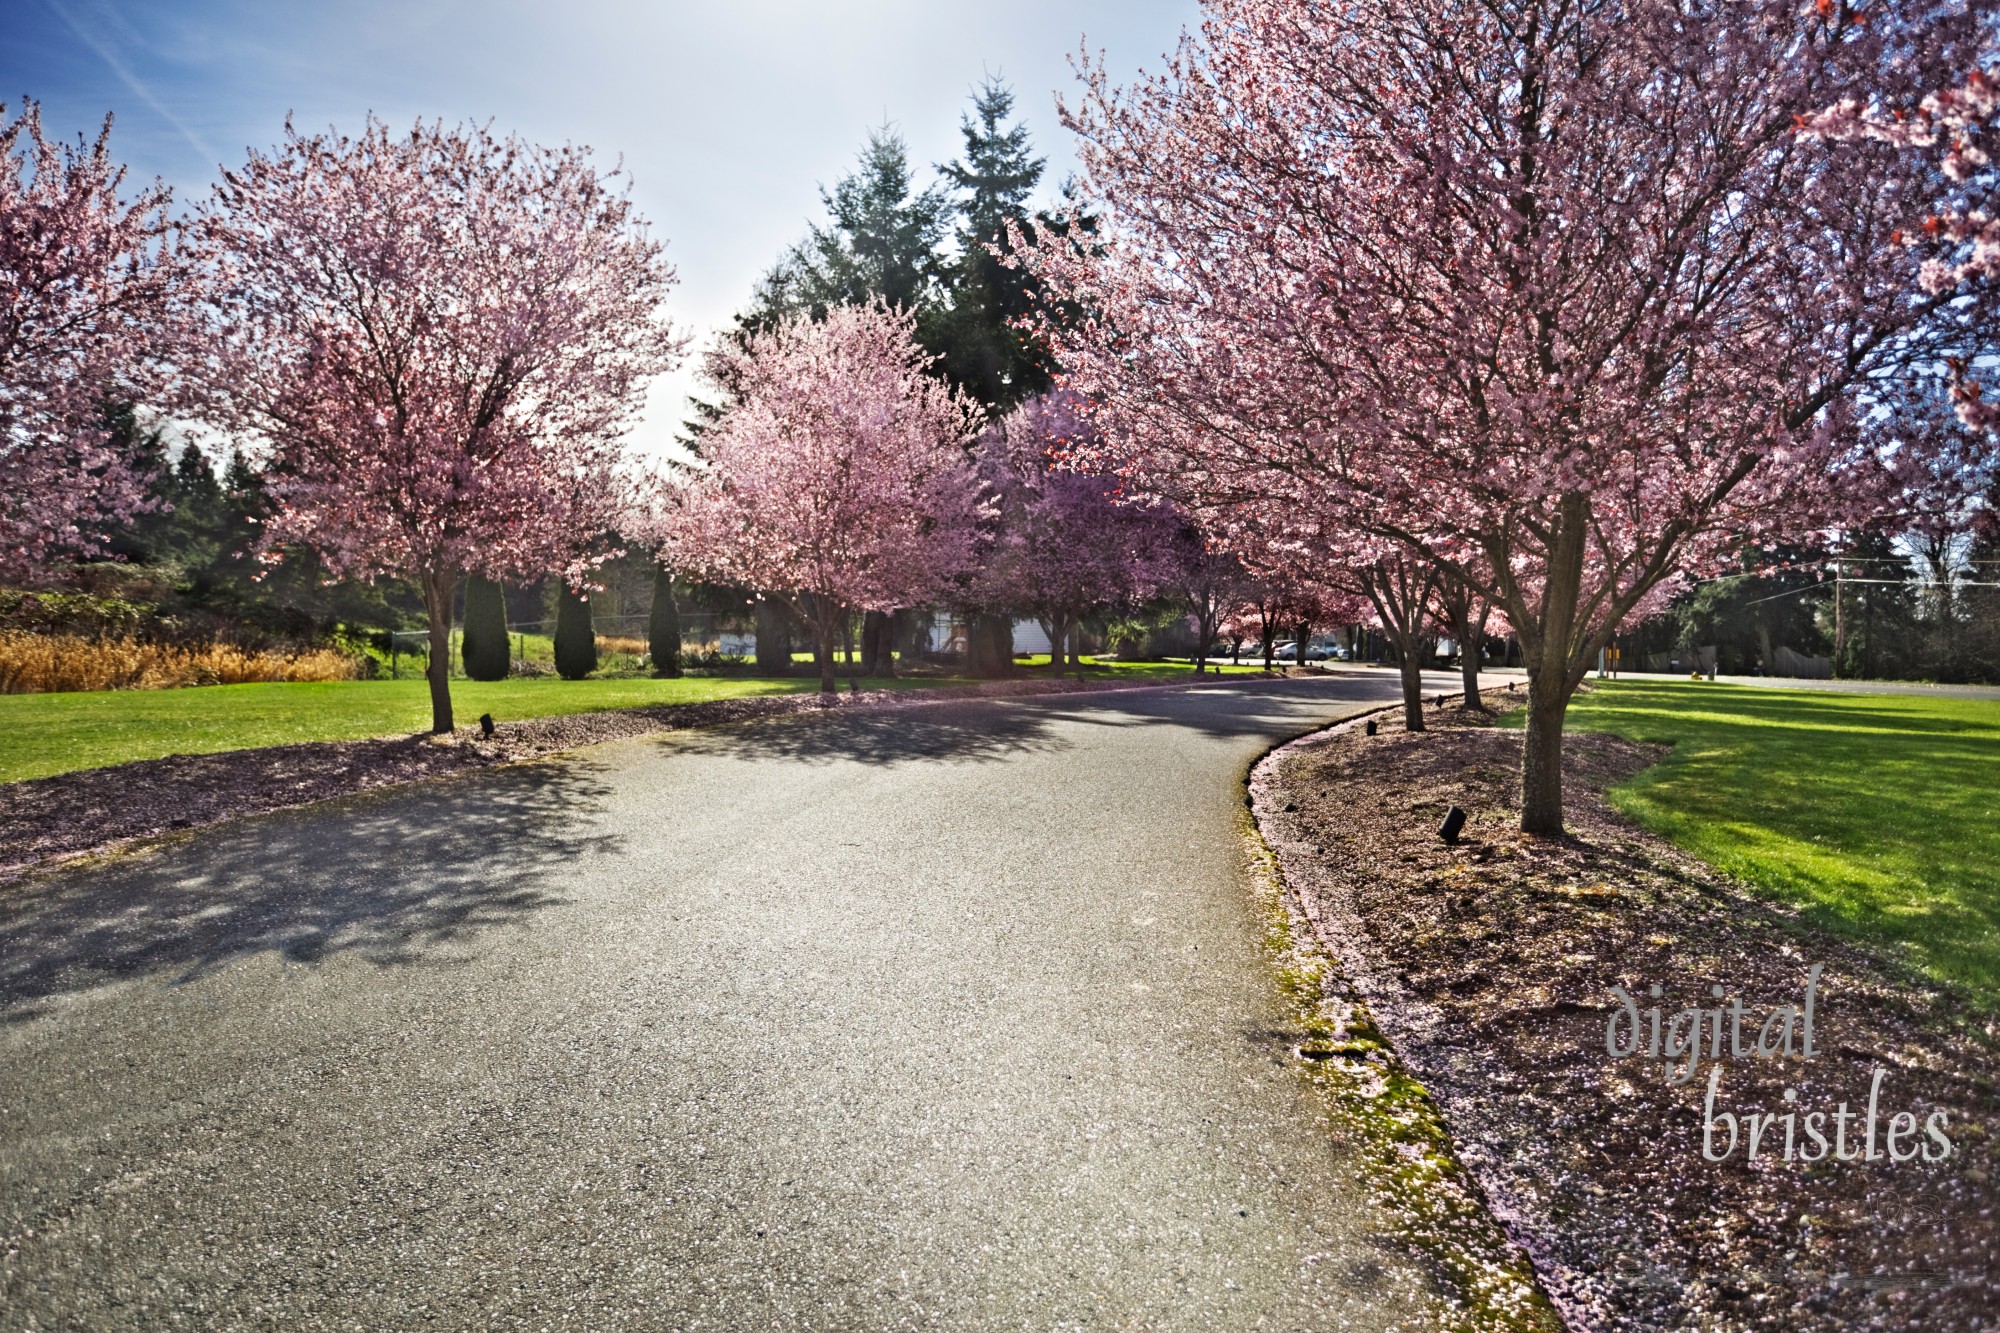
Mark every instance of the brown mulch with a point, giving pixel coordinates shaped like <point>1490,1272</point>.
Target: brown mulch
<point>47,820</point>
<point>1488,965</point>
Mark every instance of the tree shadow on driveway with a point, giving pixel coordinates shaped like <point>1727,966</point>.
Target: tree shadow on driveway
<point>961,731</point>
<point>989,730</point>
<point>387,876</point>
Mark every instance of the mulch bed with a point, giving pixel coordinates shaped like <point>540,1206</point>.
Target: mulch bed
<point>54,819</point>
<point>1488,965</point>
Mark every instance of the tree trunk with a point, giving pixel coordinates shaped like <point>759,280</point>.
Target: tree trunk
<point>989,645</point>
<point>1541,758</point>
<point>1554,672</point>
<point>885,649</point>
<point>1412,664</point>
<point>1468,673</point>
<point>827,626</point>
<point>438,589</point>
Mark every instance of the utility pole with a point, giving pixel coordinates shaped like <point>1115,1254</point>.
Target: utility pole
<point>1839,615</point>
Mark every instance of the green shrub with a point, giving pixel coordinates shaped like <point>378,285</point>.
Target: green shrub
<point>484,646</point>
<point>663,630</point>
<point>576,641</point>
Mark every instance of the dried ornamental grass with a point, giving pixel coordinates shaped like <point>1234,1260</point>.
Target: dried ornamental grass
<point>52,663</point>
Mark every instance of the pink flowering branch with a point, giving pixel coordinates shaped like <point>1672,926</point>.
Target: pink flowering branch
<point>838,480</point>
<point>92,288</point>
<point>442,336</point>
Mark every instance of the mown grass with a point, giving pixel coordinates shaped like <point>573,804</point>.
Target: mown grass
<point>46,734</point>
<point>1879,814</point>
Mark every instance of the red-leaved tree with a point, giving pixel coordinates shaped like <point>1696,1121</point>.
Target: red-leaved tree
<point>442,336</point>
<point>91,289</point>
<point>838,480</point>
<point>1067,543</point>
<point>1554,296</point>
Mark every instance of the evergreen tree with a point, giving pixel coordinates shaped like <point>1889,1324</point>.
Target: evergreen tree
<point>576,639</point>
<point>983,353</point>
<point>663,627</point>
<point>484,645</point>
<point>881,240</point>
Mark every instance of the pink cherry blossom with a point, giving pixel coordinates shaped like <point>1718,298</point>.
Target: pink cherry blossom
<point>1066,543</point>
<point>91,287</point>
<point>839,479</point>
<point>441,336</point>
<point>1554,298</point>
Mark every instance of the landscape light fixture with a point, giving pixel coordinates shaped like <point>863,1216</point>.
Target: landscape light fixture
<point>1371,726</point>
<point>486,724</point>
<point>1454,824</point>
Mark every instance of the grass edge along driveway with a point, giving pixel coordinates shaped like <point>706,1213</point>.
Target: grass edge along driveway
<point>45,734</point>
<point>1877,814</point>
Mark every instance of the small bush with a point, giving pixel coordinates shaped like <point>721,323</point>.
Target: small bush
<point>484,644</point>
<point>663,627</point>
<point>576,644</point>
<point>50,663</point>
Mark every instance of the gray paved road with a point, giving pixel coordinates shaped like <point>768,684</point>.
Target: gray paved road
<point>945,1017</point>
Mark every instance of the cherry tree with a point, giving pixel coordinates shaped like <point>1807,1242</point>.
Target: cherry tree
<point>441,335</point>
<point>92,288</point>
<point>1956,230</point>
<point>1553,297</point>
<point>839,478</point>
<point>1067,542</point>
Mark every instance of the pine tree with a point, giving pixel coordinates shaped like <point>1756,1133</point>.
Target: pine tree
<point>983,353</point>
<point>576,639</point>
<point>881,241</point>
<point>483,649</point>
<point>663,627</point>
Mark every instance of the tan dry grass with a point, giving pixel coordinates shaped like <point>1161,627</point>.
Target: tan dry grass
<point>49,663</point>
<point>611,643</point>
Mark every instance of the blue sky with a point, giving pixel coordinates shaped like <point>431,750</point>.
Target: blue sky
<point>728,114</point>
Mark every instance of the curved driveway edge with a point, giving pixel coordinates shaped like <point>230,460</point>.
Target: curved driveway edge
<point>52,820</point>
<point>954,1016</point>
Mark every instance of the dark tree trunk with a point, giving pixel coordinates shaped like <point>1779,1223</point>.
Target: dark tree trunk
<point>823,657</point>
<point>1541,758</point>
<point>1468,673</point>
<point>1413,688</point>
<point>439,589</point>
<point>1554,672</point>
<point>877,646</point>
<point>989,645</point>
<point>829,623</point>
<point>1402,593</point>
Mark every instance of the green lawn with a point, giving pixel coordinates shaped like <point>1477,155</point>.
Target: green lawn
<point>44,734</point>
<point>1878,813</point>
<point>41,734</point>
